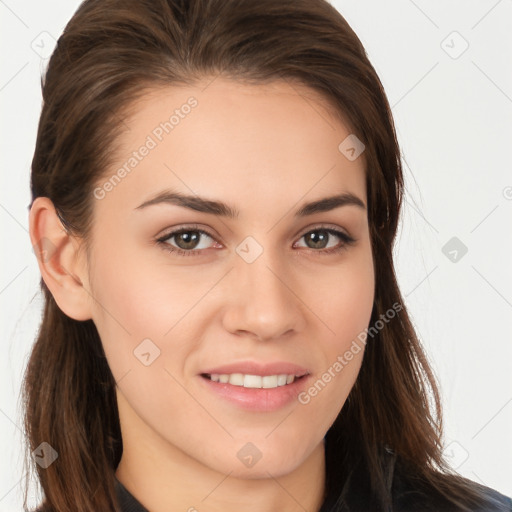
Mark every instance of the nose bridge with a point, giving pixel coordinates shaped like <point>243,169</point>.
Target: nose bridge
<point>263,304</point>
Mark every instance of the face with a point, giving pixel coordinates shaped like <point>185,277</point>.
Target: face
<point>217,265</point>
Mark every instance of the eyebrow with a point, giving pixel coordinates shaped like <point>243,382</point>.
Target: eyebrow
<point>224,210</point>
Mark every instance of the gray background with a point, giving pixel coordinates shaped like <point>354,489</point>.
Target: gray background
<point>452,107</point>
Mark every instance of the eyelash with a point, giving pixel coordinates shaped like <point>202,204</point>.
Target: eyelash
<point>346,240</point>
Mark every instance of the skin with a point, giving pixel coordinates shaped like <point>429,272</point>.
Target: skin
<point>266,150</point>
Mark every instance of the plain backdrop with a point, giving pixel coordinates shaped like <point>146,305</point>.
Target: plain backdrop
<point>446,68</point>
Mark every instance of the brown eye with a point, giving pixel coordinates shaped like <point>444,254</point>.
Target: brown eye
<point>319,238</point>
<point>185,241</point>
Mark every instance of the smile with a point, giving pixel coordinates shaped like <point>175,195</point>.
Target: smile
<point>252,381</point>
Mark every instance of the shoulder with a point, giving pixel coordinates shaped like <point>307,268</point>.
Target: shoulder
<point>403,490</point>
<point>409,493</point>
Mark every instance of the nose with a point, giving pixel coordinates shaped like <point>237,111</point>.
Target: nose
<point>264,300</point>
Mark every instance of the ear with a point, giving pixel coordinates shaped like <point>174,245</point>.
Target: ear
<point>61,264</point>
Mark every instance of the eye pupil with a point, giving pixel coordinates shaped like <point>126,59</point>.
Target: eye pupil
<point>190,239</point>
<point>318,238</point>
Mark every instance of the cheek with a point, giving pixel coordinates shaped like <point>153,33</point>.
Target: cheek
<point>345,299</point>
<point>129,291</point>
<point>129,304</point>
<point>145,308</point>
<point>347,314</point>
<point>345,311</point>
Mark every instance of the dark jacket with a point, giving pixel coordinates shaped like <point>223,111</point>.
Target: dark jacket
<point>407,496</point>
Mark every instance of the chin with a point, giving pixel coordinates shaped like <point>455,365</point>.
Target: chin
<point>260,471</point>
<point>252,464</point>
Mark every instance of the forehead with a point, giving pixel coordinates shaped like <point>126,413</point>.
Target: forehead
<point>252,145</point>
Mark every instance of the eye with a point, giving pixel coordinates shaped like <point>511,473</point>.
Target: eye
<point>319,237</point>
<point>187,240</point>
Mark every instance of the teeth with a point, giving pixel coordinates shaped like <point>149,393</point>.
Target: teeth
<point>253,381</point>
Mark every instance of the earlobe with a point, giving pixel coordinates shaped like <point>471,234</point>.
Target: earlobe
<point>61,264</point>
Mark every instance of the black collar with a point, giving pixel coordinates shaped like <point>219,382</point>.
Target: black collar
<point>127,501</point>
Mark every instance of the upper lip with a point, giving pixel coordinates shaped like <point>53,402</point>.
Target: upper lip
<point>255,368</point>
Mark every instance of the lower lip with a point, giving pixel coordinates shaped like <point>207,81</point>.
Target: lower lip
<point>258,399</point>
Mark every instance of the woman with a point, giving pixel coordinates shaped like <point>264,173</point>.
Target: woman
<point>216,187</point>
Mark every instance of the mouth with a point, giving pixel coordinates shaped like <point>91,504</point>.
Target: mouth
<point>255,392</point>
<point>255,385</point>
<point>254,381</point>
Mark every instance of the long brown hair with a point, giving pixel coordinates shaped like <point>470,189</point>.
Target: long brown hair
<point>109,54</point>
